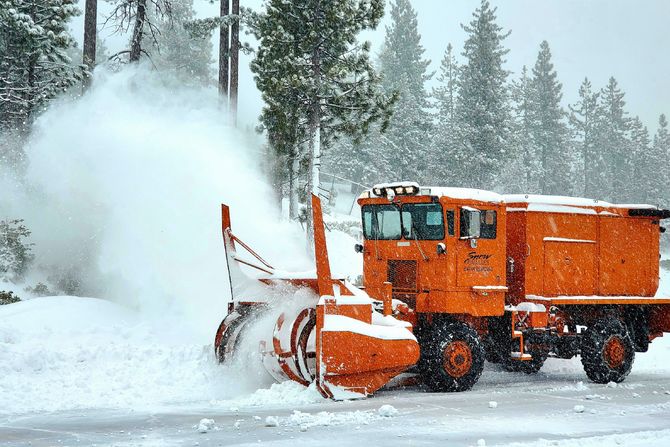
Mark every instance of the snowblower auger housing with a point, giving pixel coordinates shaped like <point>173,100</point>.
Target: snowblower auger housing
<point>336,339</point>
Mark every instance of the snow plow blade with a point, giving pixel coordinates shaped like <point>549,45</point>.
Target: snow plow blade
<point>335,338</point>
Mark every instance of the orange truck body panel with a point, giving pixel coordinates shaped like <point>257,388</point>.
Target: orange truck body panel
<point>592,252</point>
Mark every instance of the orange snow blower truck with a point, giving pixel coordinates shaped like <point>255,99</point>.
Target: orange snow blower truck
<point>455,276</point>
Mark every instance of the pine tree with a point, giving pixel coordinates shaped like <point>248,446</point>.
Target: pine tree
<point>482,109</point>
<point>316,80</point>
<point>446,130</point>
<point>613,143</point>
<point>643,162</point>
<point>179,51</point>
<point>140,16</point>
<point>547,125</point>
<point>521,173</point>
<point>34,66</point>
<point>403,72</point>
<point>584,122</point>
<point>658,171</point>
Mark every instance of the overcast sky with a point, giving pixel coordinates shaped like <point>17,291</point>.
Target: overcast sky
<point>627,39</point>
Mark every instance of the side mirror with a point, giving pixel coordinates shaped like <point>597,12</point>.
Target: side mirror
<point>441,248</point>
<point>358,248</point>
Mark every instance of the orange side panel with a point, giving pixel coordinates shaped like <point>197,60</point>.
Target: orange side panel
<point>478,304</point>
<point>625,267</point>
<point>570,268</point>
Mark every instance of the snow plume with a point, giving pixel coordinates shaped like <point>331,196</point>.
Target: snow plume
<point>123,187</point>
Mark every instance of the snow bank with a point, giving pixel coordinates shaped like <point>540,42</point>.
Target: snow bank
<point>65,353</point>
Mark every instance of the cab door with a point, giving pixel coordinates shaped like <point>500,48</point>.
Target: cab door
<point>480,258</point>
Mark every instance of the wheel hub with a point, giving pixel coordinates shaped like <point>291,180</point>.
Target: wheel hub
<point>457,358</point>
<point>614,352</point>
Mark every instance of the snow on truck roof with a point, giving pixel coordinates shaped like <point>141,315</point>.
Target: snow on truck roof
<point>536,199</point>
<point>534,202</point>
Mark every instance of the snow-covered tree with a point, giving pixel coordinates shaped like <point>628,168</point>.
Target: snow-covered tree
<point>657,174</point>
<point>483,109</point>
<point>140,16</point>
<point>584,123</point>
<point>446,131</point>
<point>179,51</point>
<point>547,125</point>
<point>403,72</point>
<point>642,186</point>
<point>521,173</point>
<point>612,142</point>
<point>15,251</point>
<point>316,79</point>
<point>34,66</point>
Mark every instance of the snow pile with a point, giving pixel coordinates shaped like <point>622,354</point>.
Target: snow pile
<point>387,411</point>
<point>325,418</point>
<point>63,353</point>
<point>205,425</point>
<point>277,395</point>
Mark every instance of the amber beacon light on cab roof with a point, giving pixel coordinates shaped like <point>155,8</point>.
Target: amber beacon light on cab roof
<point>454,276</point>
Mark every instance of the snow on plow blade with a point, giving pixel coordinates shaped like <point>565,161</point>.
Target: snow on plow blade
<point>333,337</point>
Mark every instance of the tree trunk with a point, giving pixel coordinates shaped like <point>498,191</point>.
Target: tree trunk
<point>90,28</point>
<point>314,150</point>
<point>223,52</point>
<point>234,61</point>
<point>138,31</point>
<point>294,168</point>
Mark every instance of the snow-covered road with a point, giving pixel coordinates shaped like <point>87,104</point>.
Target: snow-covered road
<point>83,371</point>
<point>553,408</point>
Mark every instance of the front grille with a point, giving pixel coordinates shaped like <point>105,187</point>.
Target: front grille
<point>402,274</point>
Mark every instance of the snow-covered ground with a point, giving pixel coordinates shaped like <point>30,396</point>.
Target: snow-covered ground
<point>84,371</point>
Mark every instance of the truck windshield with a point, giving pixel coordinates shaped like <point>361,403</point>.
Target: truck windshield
<point>424,221</point>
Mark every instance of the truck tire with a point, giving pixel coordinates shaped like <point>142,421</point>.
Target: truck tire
<point>454,358</point>
<point>607,351</point>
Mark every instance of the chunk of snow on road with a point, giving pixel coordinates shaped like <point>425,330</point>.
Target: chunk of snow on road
<point>481,443</point>
<point>387,411</point>
<point>271,421</point>
<point>325,418</point>
<point>205,425</point>
<point>612,384</point>
<point>579,408</point>
<point>493,404</point>
<point>279,394</point>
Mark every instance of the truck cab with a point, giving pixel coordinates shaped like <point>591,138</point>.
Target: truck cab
<point>442,249</point>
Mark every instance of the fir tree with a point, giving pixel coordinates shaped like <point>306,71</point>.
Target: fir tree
<point>658,171</point>
<point>34,66</point>
<point>316,80</point>
<point>446,130</point>
<point>547,125</point>
<point>178,50</point>
<point>584,121</point>
<point>482,108</point>
<point>643,162</point>
<point>403,73</point>
<point>522,173</point>
<point>612,142</point>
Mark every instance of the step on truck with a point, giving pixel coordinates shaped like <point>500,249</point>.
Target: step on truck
<point>453,277</point>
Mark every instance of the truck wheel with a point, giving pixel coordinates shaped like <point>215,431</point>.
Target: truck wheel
<point>607,351</point>
<point>454,358</point>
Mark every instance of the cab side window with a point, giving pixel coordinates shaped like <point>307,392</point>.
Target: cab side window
<point>489,221</point>
<point>450,222</point>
